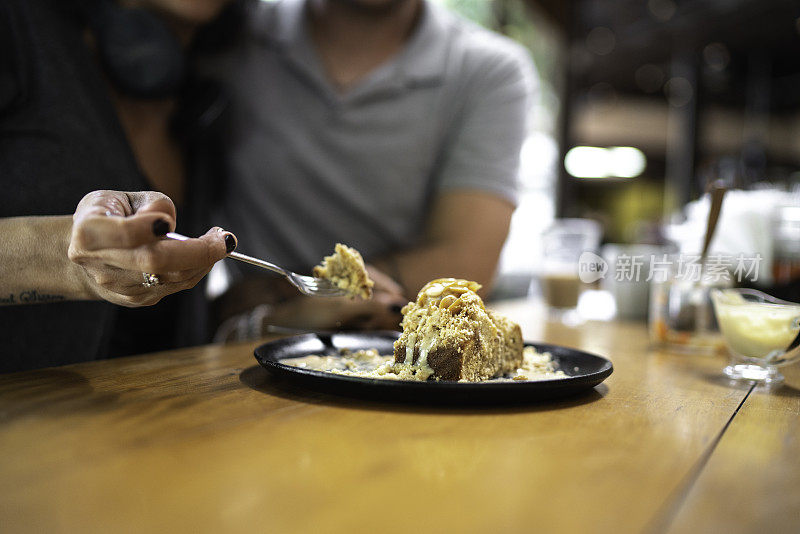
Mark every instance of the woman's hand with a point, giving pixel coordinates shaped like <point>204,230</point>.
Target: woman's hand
<point>117,240</point>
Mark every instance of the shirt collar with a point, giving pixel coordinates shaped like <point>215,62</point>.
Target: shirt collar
<point>424,58</point>
<point>290,24</point>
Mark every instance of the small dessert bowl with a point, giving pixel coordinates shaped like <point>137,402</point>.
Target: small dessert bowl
<point>761,332</point>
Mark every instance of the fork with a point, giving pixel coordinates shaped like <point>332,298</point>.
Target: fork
<point>307,285</point>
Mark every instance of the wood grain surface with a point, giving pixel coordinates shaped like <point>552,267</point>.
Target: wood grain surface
<point>752,480</point>
<point>204,440</point>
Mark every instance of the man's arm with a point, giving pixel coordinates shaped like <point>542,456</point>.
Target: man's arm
<point>464,237</point>
<point>469,217</point>
<point>465,233</point>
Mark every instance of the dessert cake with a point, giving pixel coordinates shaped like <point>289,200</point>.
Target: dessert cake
<point>345,268</point>
<point>448,333</point>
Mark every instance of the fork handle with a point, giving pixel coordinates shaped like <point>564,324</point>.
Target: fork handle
<point>257,262</point>
<point>237,256</point>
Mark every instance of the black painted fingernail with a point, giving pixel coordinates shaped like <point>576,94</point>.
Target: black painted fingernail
<point>160,227</point>
<point>230,243</point>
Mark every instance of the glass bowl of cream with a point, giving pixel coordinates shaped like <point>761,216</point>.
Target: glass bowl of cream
<point>761,332</point>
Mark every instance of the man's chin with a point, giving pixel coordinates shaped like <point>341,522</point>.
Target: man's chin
<point>192,12</point>
<point>376,7</point>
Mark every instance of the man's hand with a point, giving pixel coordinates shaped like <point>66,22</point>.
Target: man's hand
<point>381,312</point>
<point>245,316</point>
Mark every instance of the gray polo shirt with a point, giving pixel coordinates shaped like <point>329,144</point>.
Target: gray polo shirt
<point>308,167</point>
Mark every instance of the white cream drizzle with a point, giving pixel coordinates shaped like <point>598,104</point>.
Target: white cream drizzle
<point>425,346</point>
<point>412,338</point>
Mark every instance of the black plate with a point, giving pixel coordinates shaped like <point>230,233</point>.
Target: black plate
<point>584,371</point>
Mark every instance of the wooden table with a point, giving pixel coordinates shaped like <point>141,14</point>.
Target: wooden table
<point>203,440</point>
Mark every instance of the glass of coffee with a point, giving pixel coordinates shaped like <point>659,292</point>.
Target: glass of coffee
<point>562,244</point>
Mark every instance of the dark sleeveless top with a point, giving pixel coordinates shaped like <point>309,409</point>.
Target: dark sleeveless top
<point>60,138</point>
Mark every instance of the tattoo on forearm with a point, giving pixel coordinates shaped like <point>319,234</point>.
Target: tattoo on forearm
<point>30,296</point>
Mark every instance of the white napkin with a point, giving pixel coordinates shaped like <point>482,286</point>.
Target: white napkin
<point>744,227</point>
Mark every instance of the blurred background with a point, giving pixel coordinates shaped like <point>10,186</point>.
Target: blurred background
<point>642,104</point>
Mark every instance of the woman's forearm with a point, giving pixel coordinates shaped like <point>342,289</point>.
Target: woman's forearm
<point>34,265</point>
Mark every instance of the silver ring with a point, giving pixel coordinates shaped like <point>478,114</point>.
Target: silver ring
<point>150,280</point>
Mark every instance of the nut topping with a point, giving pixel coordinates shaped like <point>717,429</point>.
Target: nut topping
<point>447,301</point>
<point>456,306</point>
<point>446,293</point>
<point>434,291</point>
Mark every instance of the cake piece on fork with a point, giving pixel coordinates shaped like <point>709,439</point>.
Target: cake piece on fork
<point>345,269</point>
